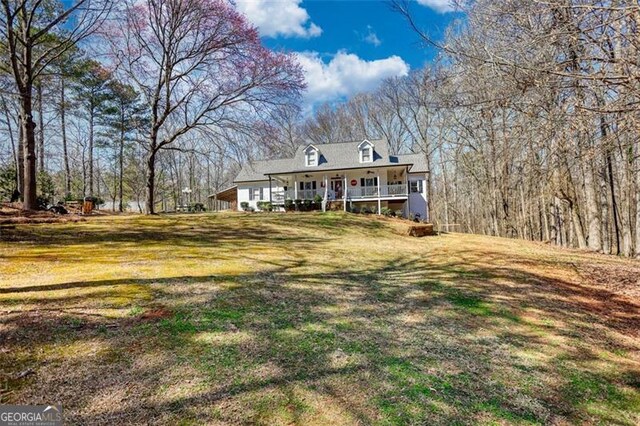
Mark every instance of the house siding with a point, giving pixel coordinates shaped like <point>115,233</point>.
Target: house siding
<point>417,203</point>
<point>244,190</point>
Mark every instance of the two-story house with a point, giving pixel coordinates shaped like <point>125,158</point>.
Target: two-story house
<point>343,175</point>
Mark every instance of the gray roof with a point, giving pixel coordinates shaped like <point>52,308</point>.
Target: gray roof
<point>419,162</point>
<point>333,156</point>
<point>258,170</point>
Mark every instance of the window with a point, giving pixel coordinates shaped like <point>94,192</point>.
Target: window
<point>309,185</point>
<point>255,194</point>
<point>415,186</point>
<point>366,155</point>
<point>312,158</point>
<point>369,181</point>
<point>366,151</point>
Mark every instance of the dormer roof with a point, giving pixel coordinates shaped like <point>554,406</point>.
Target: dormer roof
<point>364,143</point>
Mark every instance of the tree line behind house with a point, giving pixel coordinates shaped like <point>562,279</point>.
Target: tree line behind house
<point>529,121</point>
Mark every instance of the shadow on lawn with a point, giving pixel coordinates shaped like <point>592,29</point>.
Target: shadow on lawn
<point>203,230</point>
<point>404,341</point>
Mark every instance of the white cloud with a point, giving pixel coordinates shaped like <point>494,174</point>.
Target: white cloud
<point>442,6</point>
<point>279,18</point>
<point>346,74</point>
<point>372,37</point>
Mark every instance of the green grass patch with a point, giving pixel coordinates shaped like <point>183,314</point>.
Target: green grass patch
<point>502,413</point>
<point>179,323</point>
<point>470,303</point>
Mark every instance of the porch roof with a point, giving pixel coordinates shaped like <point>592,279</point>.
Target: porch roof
<point>229,194</point>
<point>342,169</point>
<point>258,170</point>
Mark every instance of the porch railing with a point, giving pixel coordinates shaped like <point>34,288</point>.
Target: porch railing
<point>278,196</point>
<point>303,194</point>
<point>393,190</point>
<point>372,191</point>
<point>353,193</point>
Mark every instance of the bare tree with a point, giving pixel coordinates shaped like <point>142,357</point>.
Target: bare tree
<point>197,64</point>
<point>26,26</point>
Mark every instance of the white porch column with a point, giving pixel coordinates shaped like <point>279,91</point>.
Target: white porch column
<point>326,193</point>
<point>379,193</point>
<point>345,190</point>
<point>406,179</point>
<point>295,187</point>
<point>406,185</point>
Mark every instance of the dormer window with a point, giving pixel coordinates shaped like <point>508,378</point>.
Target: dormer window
<point>366,155</point>
<point>311,156</point>
<point>366,152</point>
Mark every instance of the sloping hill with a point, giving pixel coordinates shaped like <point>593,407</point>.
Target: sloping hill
<point>312,319</point>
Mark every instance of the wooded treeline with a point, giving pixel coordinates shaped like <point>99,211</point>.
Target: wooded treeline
<point>529,121</point>
<point>544,100</point>
<point>541,114</point>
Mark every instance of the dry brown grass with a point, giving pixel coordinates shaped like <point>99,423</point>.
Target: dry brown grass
<point>312,319</point>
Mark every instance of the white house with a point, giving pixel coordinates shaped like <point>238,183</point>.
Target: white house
<point>343,175</point>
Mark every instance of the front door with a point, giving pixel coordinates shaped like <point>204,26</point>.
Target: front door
<point>336,187</point>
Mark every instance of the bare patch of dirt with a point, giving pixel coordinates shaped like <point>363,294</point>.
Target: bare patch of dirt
<point>624,280</point>
<point>43,217</point>
<point>408,227</point>
<point>155,314</point>
<point>12,214</point>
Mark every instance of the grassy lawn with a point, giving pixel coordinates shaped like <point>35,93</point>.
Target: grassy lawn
<point>312,319</point>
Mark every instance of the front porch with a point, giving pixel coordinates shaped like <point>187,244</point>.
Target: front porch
<point>344,186</point>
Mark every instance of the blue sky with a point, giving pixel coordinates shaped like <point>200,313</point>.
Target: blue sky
<point>347,46</point>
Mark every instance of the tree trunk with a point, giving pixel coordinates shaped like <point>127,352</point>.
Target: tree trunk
<point>429,183</point>
<point>84,172</point>
<point>637,171</point>
<point>114,193</point>
<point>21,159</point>
<point>151,177</point>
<point>626,221</point>
<point>40,129</point>
<point>545,218</point>
<point>15,153</point>
<point>121,171</point>
<point>445,190</point>
<point>593,218</point>
<point>606,212</point>
<point>65,149</point>
<point>98,177</point>
<point>557,228</point>
<point>29,140</point>
<point>614,203</point>
<point>577,226</point>
<point>91,121</point>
